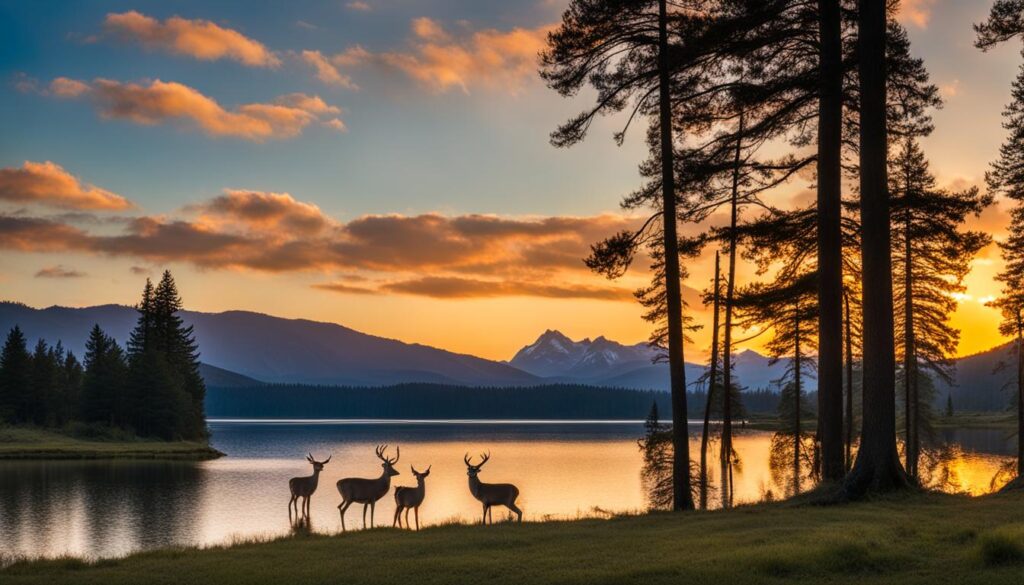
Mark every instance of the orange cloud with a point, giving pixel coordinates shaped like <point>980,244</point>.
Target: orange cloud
<point>430,254</point>
<point>460,288</point>
<point>326,71</point>
<point>916,12</point>
<point>59,272</point>
<point>47,183</point>
<point>441,61</point>
<point>262,211</point>
<point>160,101</point>
<point>200,39</point>
<point>359,6</point>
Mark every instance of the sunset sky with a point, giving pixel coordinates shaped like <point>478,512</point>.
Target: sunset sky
<point>383,164</point>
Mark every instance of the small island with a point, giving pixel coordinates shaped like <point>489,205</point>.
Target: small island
<point>143,401</point>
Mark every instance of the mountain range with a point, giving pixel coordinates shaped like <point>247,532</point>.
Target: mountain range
<point>602,362</point>
<point>241,348</point>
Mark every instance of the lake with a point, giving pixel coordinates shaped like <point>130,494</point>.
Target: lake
<point>563,470</point>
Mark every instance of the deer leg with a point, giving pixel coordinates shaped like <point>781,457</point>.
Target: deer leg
<point>341,509</point>
<point>417,511</point>
<point>490,514</point>
<point>515,508</point>
<point>365,506</point>
<point>485,515</point>
<point>290,502</point>
<point>407,518</point>
<point>398,520</point>
<point>373,508</point>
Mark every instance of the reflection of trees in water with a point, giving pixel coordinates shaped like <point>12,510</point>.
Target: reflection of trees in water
<point>121,505</point>
<point>656,472</point>
<point>941,464</point>
<point>792,470</point>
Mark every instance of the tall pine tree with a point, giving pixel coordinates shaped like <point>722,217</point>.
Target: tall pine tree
<point>15,379</point>
<point>932,256</point>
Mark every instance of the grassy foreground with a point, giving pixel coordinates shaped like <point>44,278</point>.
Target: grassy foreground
<point>910,539</point>
<point>32,443</point>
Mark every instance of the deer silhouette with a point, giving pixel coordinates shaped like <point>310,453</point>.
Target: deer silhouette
<point>303,487</point>
<point>491,494</point>
<point>356,490</point>
<point>407,498</point>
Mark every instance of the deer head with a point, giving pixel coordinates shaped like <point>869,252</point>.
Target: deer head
<point>389,464</point>
<point>317,465</point>
<point>420,476</point>
<point>473,470</point>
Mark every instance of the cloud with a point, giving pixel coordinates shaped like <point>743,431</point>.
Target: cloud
<point>159,102</point>
<point>340,287</point>
<point>140,271</point>
<point>430,254</point>
<point>326,71</point>
<point>47,183</point>
<point>950,90</point>
<point>441,61</point>
<point>63,87</point>
<point>359,6</point>
<point>260,210</point>
<point>460,288</point>
<point>916,12</point>
<point>59,272</point>
<point>199,39</point>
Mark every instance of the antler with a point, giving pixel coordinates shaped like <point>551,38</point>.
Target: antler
<point>398,454</point>
<point>328,459</point>
<point>380,452</point>
<point>309,457</point>
<point>466,460</point>
<point>485,457</point>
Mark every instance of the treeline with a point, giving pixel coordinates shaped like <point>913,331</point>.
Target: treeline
<point>151,387</point>
<point>439,401</point>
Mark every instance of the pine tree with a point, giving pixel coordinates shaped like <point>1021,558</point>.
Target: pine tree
<point>15,379</point>
<point>44,385</point>
<point>104,390</point>
<point>182,352</point>
<point>932,256</point>
<point>622,49</point>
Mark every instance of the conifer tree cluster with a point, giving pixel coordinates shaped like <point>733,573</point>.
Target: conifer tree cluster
<point>152,389</point>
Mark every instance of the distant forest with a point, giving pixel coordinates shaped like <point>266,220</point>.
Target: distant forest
<point>438,401</point>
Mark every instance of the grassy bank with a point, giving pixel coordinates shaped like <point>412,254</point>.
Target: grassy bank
<point>33,443</point>
<point>916,539</point>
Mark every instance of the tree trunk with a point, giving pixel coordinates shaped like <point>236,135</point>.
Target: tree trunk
<point>730,288</point>
<point>1020,395</point>
<point>682,498</point>
<point>909,371</point>
<point>796,404</point>
<point>877,468</point>
<point>849,386</point>
<point>830,243</point>
<point>713,376</point>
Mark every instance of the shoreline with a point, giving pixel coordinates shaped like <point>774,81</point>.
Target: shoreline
<point>28,444</point>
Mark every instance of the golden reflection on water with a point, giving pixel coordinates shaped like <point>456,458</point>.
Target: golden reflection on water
<point>104,509</point>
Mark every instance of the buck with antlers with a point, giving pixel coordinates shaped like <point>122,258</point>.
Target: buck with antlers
<point>303,487</point>
<point>407,498</point>
<point>491,494</point>
<point>356,490</point>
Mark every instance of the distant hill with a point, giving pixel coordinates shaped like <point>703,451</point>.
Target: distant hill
<point>978,386</point>
<point>603,362</point>
<point>272,349</point>
<point>214,376</point>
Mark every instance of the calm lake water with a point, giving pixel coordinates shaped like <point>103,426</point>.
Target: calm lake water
<point>563,470</point>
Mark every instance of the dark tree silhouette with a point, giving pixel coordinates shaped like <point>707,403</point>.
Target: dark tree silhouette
<point>104,398</point>
<point>712,383</point>
<point>877,467</point>
<point>1005,21</point>
<point>15,379</point>
<point>621,48</point>
<point>933,257</point>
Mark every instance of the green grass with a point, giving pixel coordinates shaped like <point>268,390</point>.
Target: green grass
<point>909,539</point>
<point>34,443</point>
